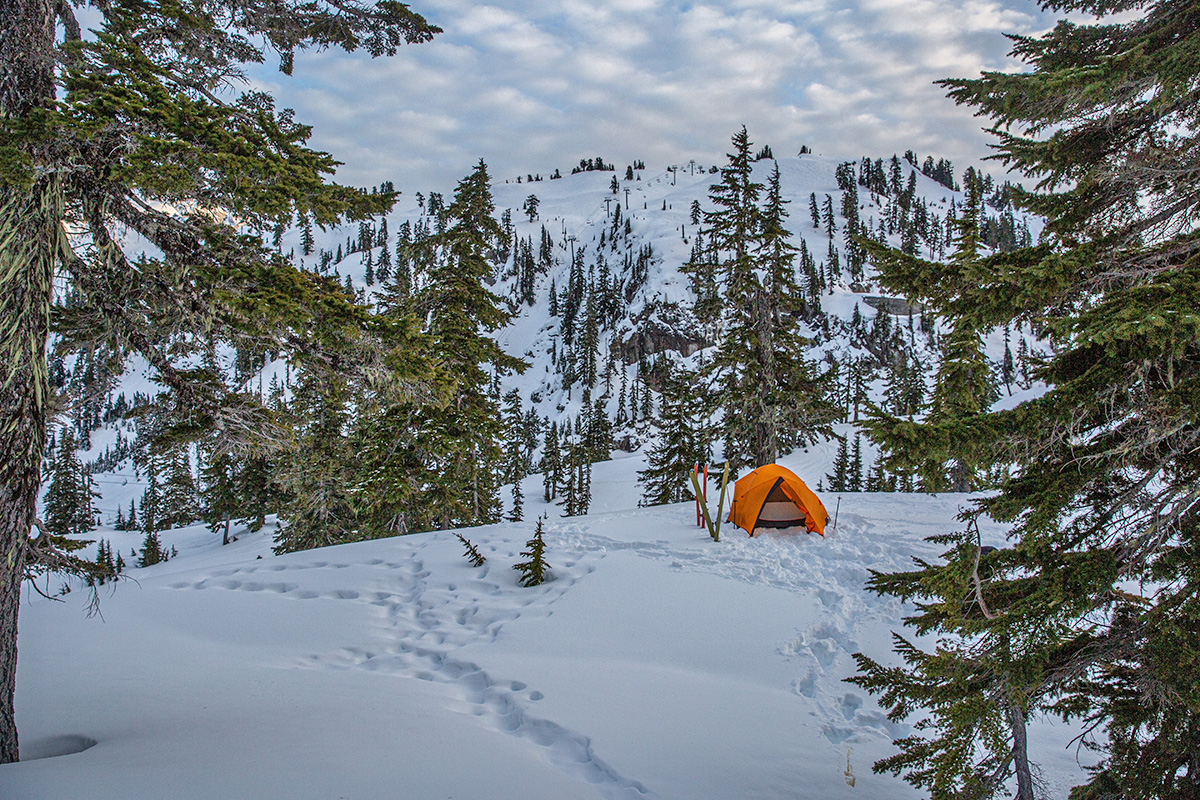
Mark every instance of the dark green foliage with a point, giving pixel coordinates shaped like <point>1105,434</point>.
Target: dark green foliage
<point>106,567</point>
<point>68,501</point>
<point>839,479</point>
<point>964,386</point>
<point>551,465</point>
<point>180,503</point>
<point>684,438</point>
<point>533,570</point>
<point>1091,612</point>
<point>461,439</point>
<point>771,397</point>
<point>518,503</point>
<point>152,552</point>
<point>318,510</point>
<point>476,558</point>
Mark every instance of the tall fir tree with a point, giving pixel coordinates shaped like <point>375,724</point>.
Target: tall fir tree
<point>318,508</point>
<point>771,397</point>
<point>69,505</point>
<point>102,132</point>
<point>683,438</point>
<point>1091,610</point>
<point>462,313</point>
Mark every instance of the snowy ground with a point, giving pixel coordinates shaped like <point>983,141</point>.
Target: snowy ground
<point>656,663</point>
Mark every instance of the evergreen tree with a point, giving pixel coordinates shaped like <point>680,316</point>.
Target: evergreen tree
<point>1091,611</point>
<point>131,522</point>
<point>152,552</point>
<point>152,503</point>
<point>683,439</point>
<point>518,503</point>
<point>854,479</point>
<point>533,570</point>
<point>473,555</point>
<point>461,314</point>
<point>771,397</point>
<point>306,238</point>
<point>530,207</point>
<point>551,462</point>
<point>839,479</point>
<point>69,505</point>
<point>180,500</point>
<point>100,133</point>
<point>318,510</point>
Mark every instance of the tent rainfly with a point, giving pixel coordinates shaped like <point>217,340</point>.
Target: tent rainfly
<point>774,497</point>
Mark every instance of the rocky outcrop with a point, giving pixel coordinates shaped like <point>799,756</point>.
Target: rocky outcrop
<point>658,328</point>
<point>894,305</point>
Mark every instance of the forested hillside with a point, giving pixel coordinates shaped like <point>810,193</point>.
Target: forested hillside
<point>200,327</point>
<point>606,285</point>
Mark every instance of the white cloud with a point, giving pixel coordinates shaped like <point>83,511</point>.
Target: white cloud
<point>532,85</point>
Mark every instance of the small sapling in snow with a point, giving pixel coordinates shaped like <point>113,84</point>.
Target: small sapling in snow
<point>533,571</point>
<point>473,555</point>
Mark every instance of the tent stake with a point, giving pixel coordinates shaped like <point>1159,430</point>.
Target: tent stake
<point>836,510</point>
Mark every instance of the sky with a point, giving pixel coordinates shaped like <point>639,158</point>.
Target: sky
<point>534,85</point>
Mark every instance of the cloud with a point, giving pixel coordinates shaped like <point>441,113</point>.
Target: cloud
<point>535,85</point>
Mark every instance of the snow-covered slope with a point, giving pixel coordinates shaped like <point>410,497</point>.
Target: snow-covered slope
<point>655,663</point>
<point>578,213</point>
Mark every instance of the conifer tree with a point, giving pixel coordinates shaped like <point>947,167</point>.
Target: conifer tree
<point>473,555</point>
<point>68,503</point>
<point>1091,610</point>
<point>533,570</point>
<point>771,397</point>
<point>102,132</point>
<point>855,475</point>
<point>180,501</point>
<point>683,438</point>
<point>839,479</point>
<point>518,503</point>
<point>152,503</point>
<point>152,552</point>
<point>462,313</point>
<point>131,522</point>
<point>314,473</point>
<point>551,462</point>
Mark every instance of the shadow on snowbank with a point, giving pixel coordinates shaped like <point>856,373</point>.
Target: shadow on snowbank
<point>52,746</point>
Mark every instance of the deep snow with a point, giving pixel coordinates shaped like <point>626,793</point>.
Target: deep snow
<point>655,663</point>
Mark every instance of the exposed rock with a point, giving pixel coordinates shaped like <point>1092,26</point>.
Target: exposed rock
<point>627,443</point>
<point>894,305</point>
<point>659,327</point>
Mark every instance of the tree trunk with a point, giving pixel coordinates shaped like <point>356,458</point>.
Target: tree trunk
<point>29,229</point>
<point>1020,751</point>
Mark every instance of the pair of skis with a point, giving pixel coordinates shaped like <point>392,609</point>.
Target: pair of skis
<point>701,494</point>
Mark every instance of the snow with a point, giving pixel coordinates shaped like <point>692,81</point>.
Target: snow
<point>654,663</point>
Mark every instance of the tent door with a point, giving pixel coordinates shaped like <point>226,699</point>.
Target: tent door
<point>779,510</point>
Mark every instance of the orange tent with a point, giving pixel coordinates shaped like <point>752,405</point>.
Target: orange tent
<point>773,497</point>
